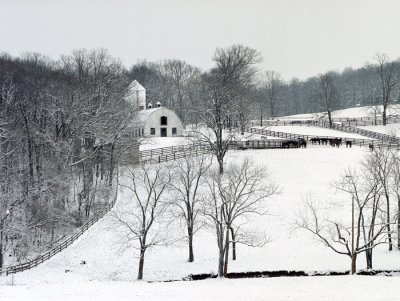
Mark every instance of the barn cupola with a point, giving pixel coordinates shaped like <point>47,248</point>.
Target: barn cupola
<point>149,106</point>
<point>158,104</point>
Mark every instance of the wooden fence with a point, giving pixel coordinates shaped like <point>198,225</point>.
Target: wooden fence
<point>355,141</point>
<point>61,246</point>
<point>165,154</point>
<point>257,144</point>
<point>349,129</point>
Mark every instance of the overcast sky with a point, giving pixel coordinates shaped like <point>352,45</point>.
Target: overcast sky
<point>298,38</point>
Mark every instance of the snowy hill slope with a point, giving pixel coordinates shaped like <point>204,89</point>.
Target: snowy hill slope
<point>298,171</point>
<point>357,112</point>
<point>313,131</point>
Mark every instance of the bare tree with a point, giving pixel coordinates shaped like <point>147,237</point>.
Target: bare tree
<point>385,71</point>
<point>189,176</point>
<point>395,186</point>
<point>328,93</point>
<point>294,87</point>
<point>238,193</point>
<point>222,90</point>
<point>380,164</point>
<point>141,223</point>
<point>180,74</point>
<point>365,232</point>
<point>244,113</point>
<point>272,85</point>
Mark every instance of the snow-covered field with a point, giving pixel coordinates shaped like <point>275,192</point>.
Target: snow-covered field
<point>313,131</point>
<point>275,289</point>
<point>390,129</point>
<point>299,172</point>
<point>357,112</point>
<point>109,273</point>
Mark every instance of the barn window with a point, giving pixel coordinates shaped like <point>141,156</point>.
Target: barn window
<point>152,131</point>
<point>164,120</point>
<point>173,131</point>
<point>142,131</point>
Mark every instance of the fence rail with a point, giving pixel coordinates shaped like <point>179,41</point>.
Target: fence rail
<point>170,153</point>
<point>355,141</point>
<point>257,144</point>
<point>61,246</point>
<point>349,129</point>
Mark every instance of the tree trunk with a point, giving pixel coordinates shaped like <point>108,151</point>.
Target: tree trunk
<point>233,244</point>
<point>398,221</point>
<point>330,118</point>
<point>141,263</point>
<point>112,163</point>
<point>1,250</point>
<point>384,117</point>
<point>226,252</point>
<point>368,255</point>
<point>388,222</point>
<point>190,235</point>
<point>353,264</point>
<point>221,166</point>
<point>220,157</point>
<point>221,261</point>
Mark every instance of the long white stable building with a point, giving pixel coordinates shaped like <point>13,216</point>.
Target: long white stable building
<point>151,121</point>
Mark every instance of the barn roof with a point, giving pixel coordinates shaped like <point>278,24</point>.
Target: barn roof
<point>142,116</point>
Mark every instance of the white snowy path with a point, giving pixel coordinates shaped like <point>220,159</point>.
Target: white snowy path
<point>290,289</point>
<point>298,171</point>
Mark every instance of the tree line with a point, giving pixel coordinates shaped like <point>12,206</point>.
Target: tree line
<point>179,85</point>
<point>59,124</point>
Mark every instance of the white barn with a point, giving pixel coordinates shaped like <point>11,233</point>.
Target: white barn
<point>159,122</point>
<point>149,121</point>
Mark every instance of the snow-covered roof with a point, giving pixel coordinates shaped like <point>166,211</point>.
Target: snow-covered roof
<point>144,115</point>
<point>140,119</point>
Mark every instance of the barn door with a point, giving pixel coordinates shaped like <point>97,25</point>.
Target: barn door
<point>163,132</point>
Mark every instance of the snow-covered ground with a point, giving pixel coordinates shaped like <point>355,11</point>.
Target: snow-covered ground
<point>158,142</point>
<point>390,129</point>
<point>313,131</point>
<point>299,172</point>
<point>357,112</point>
<point>276,289</point>
<point>109,273</point>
